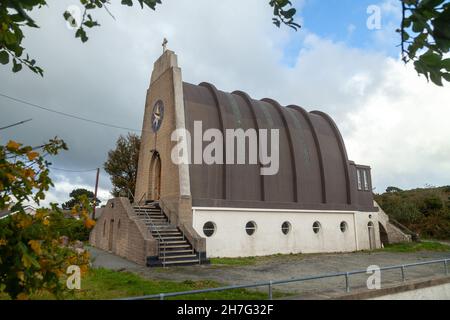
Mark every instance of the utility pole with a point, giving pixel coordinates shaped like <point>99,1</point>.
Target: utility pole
<point>95,193</point>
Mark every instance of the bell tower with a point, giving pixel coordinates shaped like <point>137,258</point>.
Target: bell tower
<point>159,178</point>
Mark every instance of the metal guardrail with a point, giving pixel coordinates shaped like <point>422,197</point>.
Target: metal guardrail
<point>270,284</point>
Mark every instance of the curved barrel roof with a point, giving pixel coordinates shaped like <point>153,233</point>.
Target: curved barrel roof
<point>314,171</point>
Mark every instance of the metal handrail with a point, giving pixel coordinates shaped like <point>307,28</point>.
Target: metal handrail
<point>143,195</point>
<point>160,238</point>
<point>131,194</point>
<point>270,284</point>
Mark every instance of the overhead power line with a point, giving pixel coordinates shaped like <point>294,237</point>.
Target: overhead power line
<point>73,171</point>
<point>68,115</point>
<point>15,124</point>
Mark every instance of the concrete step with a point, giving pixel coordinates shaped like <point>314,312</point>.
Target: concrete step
<point>168,238</point>
<point>164,227</point>
<point>158,222</point>
<point>179,252</point>
<point>182,262</point>
<point>170,242</point>
<point>154,219</point>
<point>183,257</point>
<point>177,246</point>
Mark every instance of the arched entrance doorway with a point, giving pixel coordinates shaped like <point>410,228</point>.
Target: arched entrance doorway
<point>155,177</point>
<point>383,235</point>
<point>371,231</point>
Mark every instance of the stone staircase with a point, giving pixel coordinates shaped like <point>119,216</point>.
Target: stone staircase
<point>174,248</point>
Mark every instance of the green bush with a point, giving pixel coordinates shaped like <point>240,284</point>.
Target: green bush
<point>433,203</point>
<point>425,211</point>
<point>406,212</point>
<point>69,227</point>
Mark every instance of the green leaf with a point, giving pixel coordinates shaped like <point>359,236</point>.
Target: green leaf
<point>446,76</point>
<point>431,58</point>
<point>4,57</point>
<point>446,64</point>
<point>16,66</point>
<point>436,78</point>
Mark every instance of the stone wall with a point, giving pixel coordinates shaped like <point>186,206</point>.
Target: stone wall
<point>119,231</point>
<point>394,234</point>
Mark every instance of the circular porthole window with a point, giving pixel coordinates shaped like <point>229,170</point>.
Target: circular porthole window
<point>250,228</point>
<point>286,228</point>
<point>316,227</point>
<point>209,229</point>
<point>344,226</point>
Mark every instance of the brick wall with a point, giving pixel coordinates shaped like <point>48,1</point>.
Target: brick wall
<point>121,233</point>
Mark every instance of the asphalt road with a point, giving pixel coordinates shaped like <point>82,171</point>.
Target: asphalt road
<point>286,267</point>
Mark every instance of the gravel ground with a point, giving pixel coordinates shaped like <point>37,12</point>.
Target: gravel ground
<point>286,267</point>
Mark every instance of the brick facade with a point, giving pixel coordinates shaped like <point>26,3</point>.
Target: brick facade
<point>120,232</point>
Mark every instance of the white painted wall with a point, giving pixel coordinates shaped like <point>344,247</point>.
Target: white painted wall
<point>231,239</point>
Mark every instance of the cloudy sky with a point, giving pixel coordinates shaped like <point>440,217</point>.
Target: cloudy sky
<point>390,118</point>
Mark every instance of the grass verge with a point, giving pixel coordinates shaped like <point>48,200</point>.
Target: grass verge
<point>102,284</point>
<point>416,246</point>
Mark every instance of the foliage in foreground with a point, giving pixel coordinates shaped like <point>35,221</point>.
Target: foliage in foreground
<point>31,257</point>
<point>424,211</point>
<point>425,36</point>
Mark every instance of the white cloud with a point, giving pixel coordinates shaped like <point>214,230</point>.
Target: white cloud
<point>65,185</point>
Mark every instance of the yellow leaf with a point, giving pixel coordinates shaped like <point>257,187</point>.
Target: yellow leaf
<point>24,221</point>
<point>22,296</point>
<point>21,276</point>
<point>29,173</point>
<point>12,145</point>
<point>10,177</point>
<point>32,155</point>
<point>40,214</point>
<point>36,246</point>
<point>3,242</point>
<point>26,261</point>
<point>89,223</point>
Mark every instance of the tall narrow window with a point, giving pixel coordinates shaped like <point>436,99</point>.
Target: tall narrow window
<point>366,180</point>
<point>358,178</point>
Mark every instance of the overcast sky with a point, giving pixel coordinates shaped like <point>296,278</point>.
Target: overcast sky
<point>390,118</point>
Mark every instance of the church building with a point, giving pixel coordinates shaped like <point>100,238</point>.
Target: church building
<point>316,201</point>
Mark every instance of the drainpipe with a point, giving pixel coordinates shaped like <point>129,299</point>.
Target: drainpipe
<point>356,231</point>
